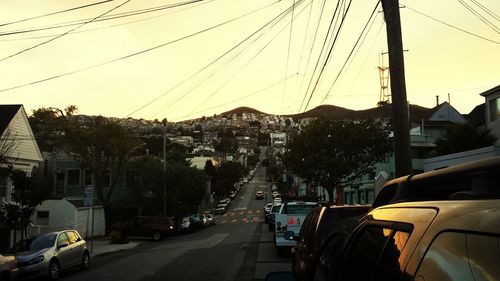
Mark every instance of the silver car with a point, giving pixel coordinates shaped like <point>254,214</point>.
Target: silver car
<point>48,254</point>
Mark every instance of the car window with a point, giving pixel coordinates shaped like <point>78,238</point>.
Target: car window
<point>446,259</point>
<point>378,248</point>
<point>457,256</point>
<point>299,209</point>
<point>61,239</point>
<point>484,256</point>
<point>72,237</point>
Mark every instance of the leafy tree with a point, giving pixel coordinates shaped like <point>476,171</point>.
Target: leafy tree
<point>327,152</point>
<point>463,137</point>
<point>144,175</point>
<point>186,187</point>
<point>210,169</point>
<point>27,193</point>
<point>100,143</point>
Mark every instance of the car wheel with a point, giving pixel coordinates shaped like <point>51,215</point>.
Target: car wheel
<point>54,270</point>
<point>156,236</point>
<point>85,261</point>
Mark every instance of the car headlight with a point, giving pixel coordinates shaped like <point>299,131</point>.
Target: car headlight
<point>36,260</point>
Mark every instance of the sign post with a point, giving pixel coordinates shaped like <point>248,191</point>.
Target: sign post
<point>88,201</point>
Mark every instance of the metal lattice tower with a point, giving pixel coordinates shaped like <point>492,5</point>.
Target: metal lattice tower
<point>383,72</point>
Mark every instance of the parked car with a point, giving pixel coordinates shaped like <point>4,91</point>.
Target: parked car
<point>272,216</point>
<point>155,228</point>
<point>49,254</point>
<point>316,229</point>
<point>8,267</point>
<point>444,228</point>
<point>211,219</point>
<point>277,200</point>
<point>259,195</point>
<point>221,208</point>
<point>267,210</point>
<point>185,225</point>
<point>196,222</point>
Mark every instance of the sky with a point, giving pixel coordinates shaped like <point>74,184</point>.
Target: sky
<point>183,59</point>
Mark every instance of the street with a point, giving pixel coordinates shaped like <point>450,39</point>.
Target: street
<point>238,247</point>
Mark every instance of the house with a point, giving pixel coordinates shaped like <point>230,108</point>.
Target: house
<point>492,110</point>
<point>17,145</point>
<point>18,148</point>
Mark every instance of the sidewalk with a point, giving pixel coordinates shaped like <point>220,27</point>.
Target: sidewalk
<point>104,246</point>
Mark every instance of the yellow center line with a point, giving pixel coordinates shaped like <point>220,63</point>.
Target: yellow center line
<point>250,212</point>
<point>234,220</point>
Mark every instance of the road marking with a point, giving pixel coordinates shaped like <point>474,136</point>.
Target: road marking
<point>250,212</point>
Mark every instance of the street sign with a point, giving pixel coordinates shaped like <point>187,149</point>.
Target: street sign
<point>88,196</point>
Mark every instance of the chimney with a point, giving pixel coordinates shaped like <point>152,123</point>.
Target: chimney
<point>437,100</point>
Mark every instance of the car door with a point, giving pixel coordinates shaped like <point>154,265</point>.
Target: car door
<point>63,251</point>
<point>76,248</point>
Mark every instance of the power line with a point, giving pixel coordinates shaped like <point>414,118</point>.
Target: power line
<point>288,53</point>
<point>488,11</point>
<point>270,23</point>
<point>61,35</point>
<point>480,17</point>
<point>241,98</point>
<point>132,54</point>
<point>452,26</point>
<point>104,18</point>
<point>249,61</point>
<point>352,51</point>
<point>321,52</point>
<point>328,56</point>
<point>55,13</point>
<point>203,2</point>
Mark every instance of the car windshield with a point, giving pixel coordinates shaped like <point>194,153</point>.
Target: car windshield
<point>299,209</point>
<point>35,243</point>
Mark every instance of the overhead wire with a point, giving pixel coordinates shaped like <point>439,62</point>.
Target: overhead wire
<point>352,51</point>
<point>104,18</point>
<point>480,17</point>
<point>199,3</point>
<point>311,49</point>
<point>249,61</point>
<point>288,53</point>
<point>330,29</point>
<point>270,24</point>
<point>133,54</point>
<point>329,55</point>
<point>487,10</point>
<point>61,35</point>
<point>241,98</point>
<point>452,26</point>
<point>55,13</point>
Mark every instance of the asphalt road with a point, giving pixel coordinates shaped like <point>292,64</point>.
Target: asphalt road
<point>238,247</point>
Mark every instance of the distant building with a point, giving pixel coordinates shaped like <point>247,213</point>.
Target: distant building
<point>492,111</point>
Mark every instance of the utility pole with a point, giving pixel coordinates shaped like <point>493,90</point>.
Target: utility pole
<point>401,127</point>
<point>164,189</point>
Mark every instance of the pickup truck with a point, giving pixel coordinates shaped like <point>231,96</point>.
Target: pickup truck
<point>290,218</point>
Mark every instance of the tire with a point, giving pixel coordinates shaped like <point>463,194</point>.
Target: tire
<point>85,261</point>
<point>54,270</point>
<point>156,235</point>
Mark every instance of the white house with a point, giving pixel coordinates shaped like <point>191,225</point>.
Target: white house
<point>18,148</point>
<point>17,145</point>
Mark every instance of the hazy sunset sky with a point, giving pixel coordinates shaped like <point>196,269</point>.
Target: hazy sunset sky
<point>186,59</point>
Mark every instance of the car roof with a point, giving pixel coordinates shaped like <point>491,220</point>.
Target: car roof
<point>466,215</point>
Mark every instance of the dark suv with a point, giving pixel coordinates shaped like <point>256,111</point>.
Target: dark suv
<point>156,228</point>
<point>317,229</point>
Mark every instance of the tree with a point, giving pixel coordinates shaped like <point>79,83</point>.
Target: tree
<point>463,137</point>
<point>27,193</point>
<point>101,144</point>
<point>327,152</point>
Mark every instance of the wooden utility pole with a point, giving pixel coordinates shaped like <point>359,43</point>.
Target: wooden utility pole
<point>401,126</point>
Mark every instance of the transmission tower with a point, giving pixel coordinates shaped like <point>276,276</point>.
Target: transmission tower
<point>383,72</point>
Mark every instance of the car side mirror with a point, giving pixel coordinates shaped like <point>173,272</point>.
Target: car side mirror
<point>290,236</point>
<point>280,276</point>
<point>62,245</point>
